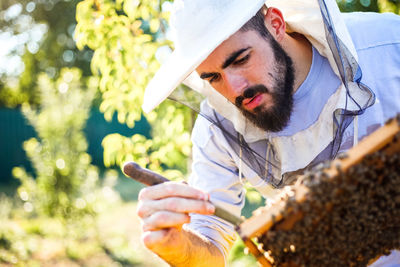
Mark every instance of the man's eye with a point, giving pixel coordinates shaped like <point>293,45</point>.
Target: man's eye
<point>242,60</point>
<point>214,78</point>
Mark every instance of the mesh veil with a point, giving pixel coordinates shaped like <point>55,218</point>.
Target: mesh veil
<point>350,73</point>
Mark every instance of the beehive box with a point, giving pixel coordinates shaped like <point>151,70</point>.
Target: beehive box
<point>345,213</point>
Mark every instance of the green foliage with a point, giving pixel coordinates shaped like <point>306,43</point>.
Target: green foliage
<point>239,256</point>
<point>14,245</point>
<point>358,5</point>
<point>78,251</point>
<point>389,6</point>
<point>370,5</point>
<point>118,248</point>
<point>124,50</point>
<point>59,204</point>
<point>125,37</point>
<point>42,240</point>
<point>44,33</point>
<point>64,175</point>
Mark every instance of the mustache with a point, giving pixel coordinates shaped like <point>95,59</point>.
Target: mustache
<point>250,93</point>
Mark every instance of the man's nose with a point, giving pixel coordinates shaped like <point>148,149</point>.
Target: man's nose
<point>236,83</point>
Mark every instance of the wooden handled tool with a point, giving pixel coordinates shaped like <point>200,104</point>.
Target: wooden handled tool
<point>149,178</point>
<point>145,176</point>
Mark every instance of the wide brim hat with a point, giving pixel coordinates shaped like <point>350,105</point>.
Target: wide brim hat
<point>198,27</point>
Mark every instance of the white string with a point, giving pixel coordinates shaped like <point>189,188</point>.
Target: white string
<point>262,181</point>
<point>240,163</point>
<point>355,125</point>
<point>240,168</point>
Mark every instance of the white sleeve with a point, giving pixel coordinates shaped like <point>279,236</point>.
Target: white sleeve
<point>214,171</point>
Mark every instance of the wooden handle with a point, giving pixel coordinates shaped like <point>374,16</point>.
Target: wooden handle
<point>149,178</point>
<point>142,175</point>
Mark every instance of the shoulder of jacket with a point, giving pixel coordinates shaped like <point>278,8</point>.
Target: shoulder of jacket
<point>370,29</point>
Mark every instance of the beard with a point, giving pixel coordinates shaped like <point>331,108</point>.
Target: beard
<point>276,117</point>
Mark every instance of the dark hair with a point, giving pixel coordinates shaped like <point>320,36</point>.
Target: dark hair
<point>256,23</point>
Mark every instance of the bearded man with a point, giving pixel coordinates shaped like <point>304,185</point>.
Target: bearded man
<point>296,82</point>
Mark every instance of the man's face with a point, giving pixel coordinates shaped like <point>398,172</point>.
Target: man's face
<point>256,75</point>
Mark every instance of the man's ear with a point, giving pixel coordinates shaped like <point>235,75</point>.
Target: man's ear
<point>275,23</point>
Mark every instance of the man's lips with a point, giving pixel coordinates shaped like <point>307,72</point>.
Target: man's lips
<point>251,103</point>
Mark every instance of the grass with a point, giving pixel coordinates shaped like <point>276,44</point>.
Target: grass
<point>26,241</point>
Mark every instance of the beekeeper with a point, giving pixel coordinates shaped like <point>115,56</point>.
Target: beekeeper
<point>288,84</point>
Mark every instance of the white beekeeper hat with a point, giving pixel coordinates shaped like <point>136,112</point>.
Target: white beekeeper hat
<point>198,27</point>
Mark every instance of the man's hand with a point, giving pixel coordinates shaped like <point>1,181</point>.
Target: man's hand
<point>163,209</point>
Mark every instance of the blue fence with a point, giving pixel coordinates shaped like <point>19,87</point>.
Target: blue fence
<point>14,130</point>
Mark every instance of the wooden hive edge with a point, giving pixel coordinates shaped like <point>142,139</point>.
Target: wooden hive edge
<point>263,221</point>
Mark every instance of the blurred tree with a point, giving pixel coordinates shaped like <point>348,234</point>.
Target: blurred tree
<point>389,6</point>
<point>358,5</point>
<point>60,203</point>
<point>126,37</point>
<point>64,176</point>
<point>370,5</point>
<point>36,36</point>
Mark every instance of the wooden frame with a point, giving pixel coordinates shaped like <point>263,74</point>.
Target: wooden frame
<point>385,138</point>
